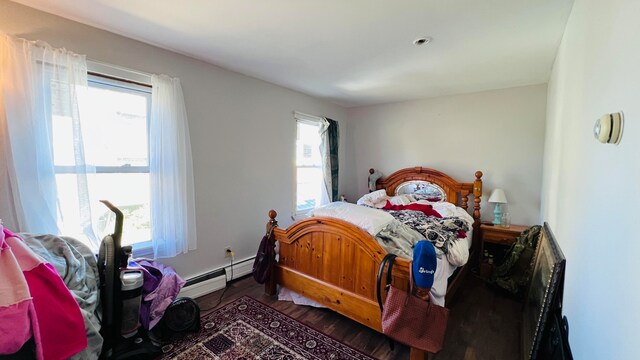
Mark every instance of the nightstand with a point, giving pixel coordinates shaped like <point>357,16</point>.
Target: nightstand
<point>498,239</point>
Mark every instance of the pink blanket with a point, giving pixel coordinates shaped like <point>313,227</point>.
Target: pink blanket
<point>45,309</point>
<point>19,322</point>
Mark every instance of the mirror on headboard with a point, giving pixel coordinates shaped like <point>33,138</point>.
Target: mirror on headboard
<point>422,190</point>
<point>544,297</point>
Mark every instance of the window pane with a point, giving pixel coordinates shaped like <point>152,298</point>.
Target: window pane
<point>114,126</point>
<point>129,192</point>
<point>308,145</point>
<point>308,161</point>
<point>309,182</point>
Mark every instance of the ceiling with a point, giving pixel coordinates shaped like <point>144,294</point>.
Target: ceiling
<point>350,52</point>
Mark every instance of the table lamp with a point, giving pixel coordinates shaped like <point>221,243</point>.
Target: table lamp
<point>497,197</point>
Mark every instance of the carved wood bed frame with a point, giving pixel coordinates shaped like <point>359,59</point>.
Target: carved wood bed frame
<point>335,263</point>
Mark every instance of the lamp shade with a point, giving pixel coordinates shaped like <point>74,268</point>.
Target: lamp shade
<point>498,196</point>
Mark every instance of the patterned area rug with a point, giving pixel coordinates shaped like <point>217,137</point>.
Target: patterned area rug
<point>249,329</point>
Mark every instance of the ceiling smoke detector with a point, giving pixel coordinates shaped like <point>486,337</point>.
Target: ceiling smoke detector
<point>422,41</point>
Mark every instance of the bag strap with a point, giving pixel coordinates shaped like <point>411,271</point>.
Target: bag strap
<point>272,225</point>
<point>268,237</point>
<point>392,260</point>
<point>411,278</point>
<point>388,259</point>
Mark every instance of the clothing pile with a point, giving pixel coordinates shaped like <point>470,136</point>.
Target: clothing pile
<point>160,288</point>
<point>40,318</point>
<point>514,273</point>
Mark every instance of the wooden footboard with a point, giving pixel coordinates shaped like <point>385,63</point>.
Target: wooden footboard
<point>334,263</point>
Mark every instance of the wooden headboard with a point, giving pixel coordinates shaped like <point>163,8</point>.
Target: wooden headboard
<point>456,193</point>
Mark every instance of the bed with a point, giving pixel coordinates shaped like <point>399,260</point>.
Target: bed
<point>334,262</point>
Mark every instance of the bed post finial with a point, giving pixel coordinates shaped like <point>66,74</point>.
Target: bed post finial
<point>272,215</point>
<point>477,197</point>
<point>371,183</point>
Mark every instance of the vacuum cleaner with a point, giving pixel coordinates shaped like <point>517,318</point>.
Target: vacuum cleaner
<point>121,294</point>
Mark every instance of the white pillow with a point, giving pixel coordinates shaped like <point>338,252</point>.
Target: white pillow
<point>371,220</point>
<point>374,199</point>
<point>405,199</point>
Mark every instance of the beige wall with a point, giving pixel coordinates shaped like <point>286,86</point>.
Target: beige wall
<point>500,132</point>
<point>242,133</point>
<point>591,190</point>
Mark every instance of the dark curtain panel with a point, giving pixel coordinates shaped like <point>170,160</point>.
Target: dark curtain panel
<point>334,139</point>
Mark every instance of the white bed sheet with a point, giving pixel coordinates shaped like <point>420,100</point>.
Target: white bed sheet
<point>370,219</point>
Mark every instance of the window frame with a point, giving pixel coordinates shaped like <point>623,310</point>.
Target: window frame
<point>309,120</point>
<point>105,81</point>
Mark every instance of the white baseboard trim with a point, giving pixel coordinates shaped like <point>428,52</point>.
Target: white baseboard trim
<point>240,269</point>
<point>208,286</point>
<point>203,288</point>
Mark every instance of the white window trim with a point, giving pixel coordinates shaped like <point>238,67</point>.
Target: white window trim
<point>309,119</point>
<point>118,71</point>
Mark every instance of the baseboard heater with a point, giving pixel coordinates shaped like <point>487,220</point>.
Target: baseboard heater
<point>215,279</point>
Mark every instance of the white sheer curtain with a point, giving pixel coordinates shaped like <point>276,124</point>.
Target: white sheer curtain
<point>173,224</point>
<point>38,87</point>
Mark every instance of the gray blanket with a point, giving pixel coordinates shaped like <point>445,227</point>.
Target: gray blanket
<point>399,239</point>
<point>76,264</point>
<point>409,226</point>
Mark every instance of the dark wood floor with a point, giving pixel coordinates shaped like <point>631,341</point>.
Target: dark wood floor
<point>483,325</point>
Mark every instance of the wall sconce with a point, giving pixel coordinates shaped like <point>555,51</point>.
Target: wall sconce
<point>608,129</point>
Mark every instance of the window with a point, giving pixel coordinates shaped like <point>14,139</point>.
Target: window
<point>309,181</point>
<point>114,119</point>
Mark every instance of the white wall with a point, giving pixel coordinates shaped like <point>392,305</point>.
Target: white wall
<point>500,132</point>
<point>242,133</point>
<point>590,190</point>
